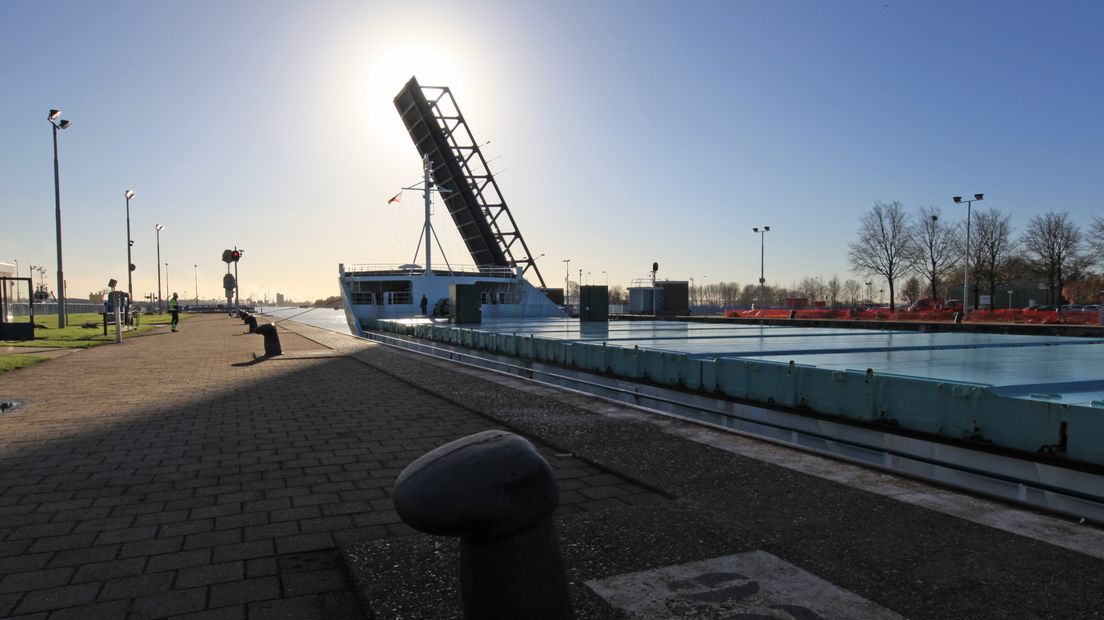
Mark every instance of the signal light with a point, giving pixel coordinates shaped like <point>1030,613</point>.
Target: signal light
<point>236,254</point>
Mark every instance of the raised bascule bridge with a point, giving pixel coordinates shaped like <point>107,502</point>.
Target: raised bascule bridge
<point>443,138</point>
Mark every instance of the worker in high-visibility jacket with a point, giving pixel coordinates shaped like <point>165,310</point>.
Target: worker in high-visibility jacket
<point>174,310</point>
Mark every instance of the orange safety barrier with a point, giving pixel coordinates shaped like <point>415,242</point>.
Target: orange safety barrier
<point>1017,315</point>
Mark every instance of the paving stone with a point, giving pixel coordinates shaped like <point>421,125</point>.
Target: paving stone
<point>22,563</point>
<point>57,598</point>
<point>140,585</point>
<point>115,569</point>
<point>41,530</point>
<point>35,580</point>
<point>154,546</point>
<point>209,574</point>
<point>212,539</point>
<point>192,526</point>
<point>74,557</point>
<point>314,582</point>
<point>245,591</point>
<point>271,530</point>
<point>171,603</point>
<point>236,612</point>
<point>181,559</point>
<point>97,611</point>
<point>304,542</point>
<point>244,551</point>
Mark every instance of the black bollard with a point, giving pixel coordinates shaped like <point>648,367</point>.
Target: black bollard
<point>251,321</point>
<point>496,493</point>
<point>271,339</point>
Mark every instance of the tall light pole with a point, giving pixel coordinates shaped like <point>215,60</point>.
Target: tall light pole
<point>966,278</point>
<point>195,278</point>
<point>567,281</point>
<point>604,275</point>
<point>167,278</point>
<point>158,228</point>
<point>130,264</point>
<point>701,297</point>
<point>762,259</point>
<point>55,115</point>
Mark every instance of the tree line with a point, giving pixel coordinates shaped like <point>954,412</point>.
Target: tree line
<point>892,245</point>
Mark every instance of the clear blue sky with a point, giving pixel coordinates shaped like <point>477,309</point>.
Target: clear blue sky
<point>626,132</point>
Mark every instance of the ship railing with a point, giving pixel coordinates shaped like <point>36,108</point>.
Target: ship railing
<point>403,270</point>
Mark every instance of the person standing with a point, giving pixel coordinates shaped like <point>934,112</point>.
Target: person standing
<point>174,310</point>
<point>425,304</point>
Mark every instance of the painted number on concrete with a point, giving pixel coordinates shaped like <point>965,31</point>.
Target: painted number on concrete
<point>744,585</point>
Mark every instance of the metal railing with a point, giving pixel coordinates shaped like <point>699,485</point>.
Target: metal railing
<point>399,270</point>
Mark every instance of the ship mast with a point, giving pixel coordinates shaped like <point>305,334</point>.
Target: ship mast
<point>427,193</point>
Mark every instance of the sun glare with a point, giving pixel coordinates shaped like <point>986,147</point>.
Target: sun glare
<point>388,65</point>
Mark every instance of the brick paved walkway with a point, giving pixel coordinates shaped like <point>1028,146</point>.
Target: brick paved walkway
<point>172,476</point>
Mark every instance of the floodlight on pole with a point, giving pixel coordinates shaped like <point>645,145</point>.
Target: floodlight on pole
<point>966,269</point>
<point>54,115</point>
<point>567,283</point>
<point>130,242</point>
<point>158,228</point>
<point>762,260</point>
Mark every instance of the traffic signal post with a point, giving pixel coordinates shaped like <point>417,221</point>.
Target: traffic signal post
<point>230,282</point>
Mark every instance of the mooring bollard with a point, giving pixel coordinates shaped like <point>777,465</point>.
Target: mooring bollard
<point>251,321</point>
<point>271,339</point>
<point>496,493</point>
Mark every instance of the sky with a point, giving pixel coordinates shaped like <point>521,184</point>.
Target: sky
<point>621,133</point>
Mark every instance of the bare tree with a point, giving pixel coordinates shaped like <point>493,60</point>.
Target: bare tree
<point>618,295</point>
<point>994,239</point>
<point>912,290</point>
<point>883,245</point>
<point>852,291</point>
<point>1053,245</point>
<point>1096,239</point>
<point>810,288</point>
<point>833,288</point>
<point>934,248</point>
<point>749,295</point>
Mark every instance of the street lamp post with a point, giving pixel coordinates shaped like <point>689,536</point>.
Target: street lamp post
<point>966,277</point>
<point>567,283</point>
<point>762,256</point>
<point>167,289</point>
<point>701,297</point>
<point>606,276</point>
<point>130,264</point>
<point>869,292</point>
<point>1009,299</point>
<point>55,115</point>
<point>195,278</point>
<point>158,228</point>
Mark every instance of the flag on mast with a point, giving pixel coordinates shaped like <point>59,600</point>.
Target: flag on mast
<point>396,198</point>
